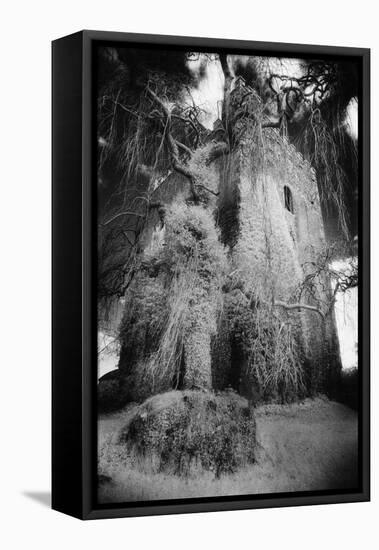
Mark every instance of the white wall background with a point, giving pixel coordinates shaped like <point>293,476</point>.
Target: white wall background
<point>27,29</point>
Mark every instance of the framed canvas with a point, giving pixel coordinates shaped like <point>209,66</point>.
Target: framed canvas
<point>210,275</point>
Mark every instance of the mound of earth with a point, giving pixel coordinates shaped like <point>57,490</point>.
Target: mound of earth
<point>184,430</point>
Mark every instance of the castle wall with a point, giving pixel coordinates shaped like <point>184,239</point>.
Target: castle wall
<point>273,249</point>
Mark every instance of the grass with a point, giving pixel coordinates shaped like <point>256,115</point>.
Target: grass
<point>305,446</point>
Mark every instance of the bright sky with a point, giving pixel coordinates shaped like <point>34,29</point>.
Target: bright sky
<point>208,95</point>
<point>346,310</point>
<point>352,118</point>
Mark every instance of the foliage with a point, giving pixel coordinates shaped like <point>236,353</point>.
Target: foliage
<point>181,294</point>
<point>246,113</point>
<point>349,388</point>
<point>135,153</point>
<point>191,233</point>
<point>205,174</point>
<point>145,308</point>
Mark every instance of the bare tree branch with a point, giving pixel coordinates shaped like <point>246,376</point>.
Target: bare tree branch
<point>228,79</point>
<point>177,165</point>
<point>174,145</point>
<point>126,213</point>
<point>299,306</point>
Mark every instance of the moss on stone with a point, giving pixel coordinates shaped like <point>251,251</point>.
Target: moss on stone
<point>172,307</point>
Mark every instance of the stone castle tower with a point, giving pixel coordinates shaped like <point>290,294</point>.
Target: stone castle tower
<point>269,214</point>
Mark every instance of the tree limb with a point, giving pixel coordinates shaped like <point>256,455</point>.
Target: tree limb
<point>174,145</point>
<point>299,306</point>
<point>126,213</point>
<point>228,79</point>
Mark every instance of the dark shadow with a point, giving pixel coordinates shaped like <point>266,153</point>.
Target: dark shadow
<point>42,497</point>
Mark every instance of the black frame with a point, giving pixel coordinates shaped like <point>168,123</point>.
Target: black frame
<point>74,280</point>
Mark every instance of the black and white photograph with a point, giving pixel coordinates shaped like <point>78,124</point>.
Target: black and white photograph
<point>189,212</point>
<point>227,273</point>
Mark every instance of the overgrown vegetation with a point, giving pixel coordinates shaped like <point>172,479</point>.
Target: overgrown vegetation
<point>195,320</point>
<point>181,432</point>
<point>173,306</point>
<point>268,348</point>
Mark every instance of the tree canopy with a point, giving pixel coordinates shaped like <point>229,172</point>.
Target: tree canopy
<point>150,125</point>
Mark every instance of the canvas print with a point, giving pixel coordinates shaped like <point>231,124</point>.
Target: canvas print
<point>227,274</point>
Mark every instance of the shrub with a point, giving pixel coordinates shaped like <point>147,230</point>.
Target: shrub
<point>109,395</point>
<point>349,388</point>
<point>179,432</point>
